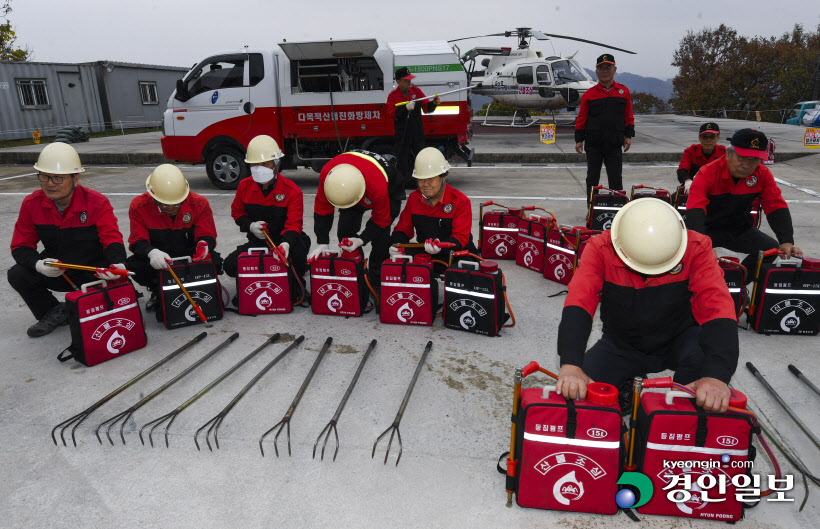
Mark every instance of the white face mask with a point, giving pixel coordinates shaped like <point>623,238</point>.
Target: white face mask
<point>261,174</point>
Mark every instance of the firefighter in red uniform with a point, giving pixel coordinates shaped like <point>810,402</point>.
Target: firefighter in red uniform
<point>268,200</point>
<point>605,124</point>
<point>664,305</point>
<point>699,154</point>
<point>354,182</point>
<point>435,212</point>
<point>409,131</point>
<point>720,201</point>
<point>76,226</point>
<point>168,221</point>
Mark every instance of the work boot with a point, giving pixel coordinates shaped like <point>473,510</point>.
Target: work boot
<point>55,317</point>
<point>152,302</point>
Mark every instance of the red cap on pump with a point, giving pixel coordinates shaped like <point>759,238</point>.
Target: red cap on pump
<point>423,258</point>
<point>602,394</point>
<point>488,267</point>
<point>514,211</point>
<point>737,399</point>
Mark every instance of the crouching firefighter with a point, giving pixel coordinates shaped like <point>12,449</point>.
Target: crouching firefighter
<point>664,305</point>
<point>435,212</point>
<point>269,201</point>
<point>354,182</point>
<point>76,226</point>
<point>168,221</point>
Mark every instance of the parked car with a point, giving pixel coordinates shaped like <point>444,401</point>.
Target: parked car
<point>795,116</point>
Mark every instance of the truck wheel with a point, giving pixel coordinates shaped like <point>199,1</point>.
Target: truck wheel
<point>225,166</point>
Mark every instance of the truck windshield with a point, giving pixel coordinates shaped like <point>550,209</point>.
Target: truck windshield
<point>215,74</point>
<point>567,72</point>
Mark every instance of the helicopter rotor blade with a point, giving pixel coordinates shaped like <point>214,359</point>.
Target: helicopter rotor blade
<point>589,42</point>
<point>478,37</point>
<point>538,35</point>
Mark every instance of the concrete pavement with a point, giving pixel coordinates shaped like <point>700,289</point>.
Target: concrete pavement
<point>455,427</point>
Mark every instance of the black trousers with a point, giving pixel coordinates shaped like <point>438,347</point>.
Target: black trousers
<point>350,223</point>
<point>617,364</point>
<point>405,151</point>
<point>35,288</point>
<point>750,241</point>
<point>297,255</point>
<point>614,167</point>
<point>148,277</point>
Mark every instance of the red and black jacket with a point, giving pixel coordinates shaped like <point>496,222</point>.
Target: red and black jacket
<point>178,235</point>
<point>86,233</point>
<point>605,117</point>
<point>719,202</point>
<point>375,198</point>
<point>450,220</point>
<point>693,159</point>
<point>280,206</point>
<point>407,123</point>
<point>648,312</point>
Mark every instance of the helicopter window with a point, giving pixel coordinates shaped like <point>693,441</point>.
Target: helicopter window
<point>567,72</point>
<point>524,75</point>
<point>542,74</point>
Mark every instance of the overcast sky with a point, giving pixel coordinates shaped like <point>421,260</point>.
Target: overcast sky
<point>179,33</point>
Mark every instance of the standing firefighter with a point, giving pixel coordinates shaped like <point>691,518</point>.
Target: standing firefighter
<point>168,221</point>
<point>720,201</point>
<point>409,130</point>
<point>75,224</point>
<point>354,182</point>
<point>435,212</point>
<point>664,305</point>
<point>268,200</point>
<point>605,125</point>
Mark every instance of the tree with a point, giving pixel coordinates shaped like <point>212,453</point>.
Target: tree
<point>720,70</point>
<point>8,48</point>
<point>645,103</point>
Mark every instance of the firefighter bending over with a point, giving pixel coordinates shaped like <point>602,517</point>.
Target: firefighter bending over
<point>664,305</point>
<point>76,226</point>
<point>268,200</point>
<point>354,182</point>
<point>435,212</point>
<point>168,221</point>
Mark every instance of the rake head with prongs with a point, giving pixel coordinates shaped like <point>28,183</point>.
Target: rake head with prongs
<point>214,424</point>
<point>392,430</point>
<point>121,418</point>
<point>156,423</point>
<point>284,424</point>
<point>330,428</point>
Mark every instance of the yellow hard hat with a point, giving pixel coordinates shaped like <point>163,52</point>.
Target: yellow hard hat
<point>263,149</point>
<point>649,236</point>
<point>429,163</point>
<point>167,184</point>
<point>59,158</point>
<point>344,186</point>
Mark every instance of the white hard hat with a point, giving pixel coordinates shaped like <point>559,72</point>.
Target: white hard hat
<point>167,184</point>
<point>59,158</point>
<point>344,186</point>
<point>649,236</point>
<point>263,149</point>
<point>429,163</point>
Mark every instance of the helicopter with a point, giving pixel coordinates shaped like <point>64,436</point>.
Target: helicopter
<point>526,80</point>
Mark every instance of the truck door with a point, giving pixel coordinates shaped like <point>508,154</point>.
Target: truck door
<point>215,100</point>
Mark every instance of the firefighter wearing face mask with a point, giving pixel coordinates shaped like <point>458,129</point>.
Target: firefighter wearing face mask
<point>269,201</point>
<point>76,225</point>
<point>664,305</point>
<point>168,221</point>
<point>435,212</point>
